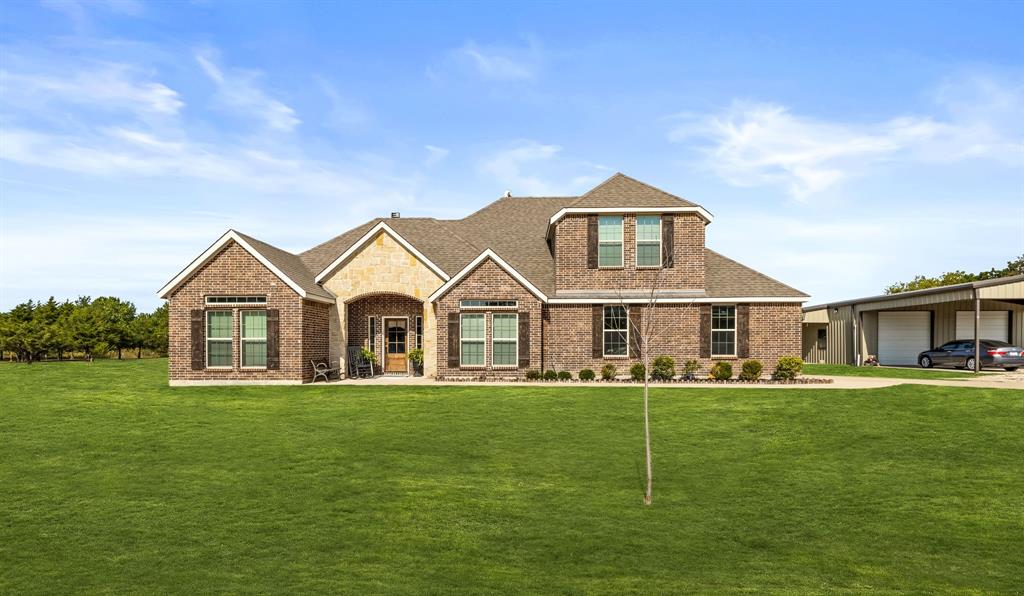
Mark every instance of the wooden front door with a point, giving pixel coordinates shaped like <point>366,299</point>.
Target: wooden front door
<point>395,335</point>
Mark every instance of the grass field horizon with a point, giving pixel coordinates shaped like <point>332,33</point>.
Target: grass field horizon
<point>113,482</point>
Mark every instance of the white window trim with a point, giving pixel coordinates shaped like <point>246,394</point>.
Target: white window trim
<point>418,333</point>
<point>242,339</point>
<point>513,307</point>
<point>636,254</point>
<point>495,340</point>
<point>230,340</point>
<point>482,340</point>
<point>604,332</point>
<point>621,243</point>
<point>735,338</point>
<point>371,334</point>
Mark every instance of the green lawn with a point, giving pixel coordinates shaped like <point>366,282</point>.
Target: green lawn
<point>845,370</point>
<point>112,482</point>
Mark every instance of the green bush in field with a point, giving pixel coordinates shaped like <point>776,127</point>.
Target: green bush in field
<point>637,372</point>
<point>550,375</point>
<point>721,371</point>
<point>788,368</point>
<point>608,372</point>
<point>564,375</point>
<point>587,375</point>
<point>751,370</point>
<point>663,368</point>
<point>533,375</point>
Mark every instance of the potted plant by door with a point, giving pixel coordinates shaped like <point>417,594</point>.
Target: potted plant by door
<point>416,357</point>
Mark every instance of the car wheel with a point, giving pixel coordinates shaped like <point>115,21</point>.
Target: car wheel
<point>970,363</point>
<point>1011,368</point>
<point>925,362</point>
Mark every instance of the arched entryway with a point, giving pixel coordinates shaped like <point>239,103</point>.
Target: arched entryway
<point>389,325</point>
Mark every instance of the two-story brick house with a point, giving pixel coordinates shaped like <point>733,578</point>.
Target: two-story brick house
<point>526,283</point>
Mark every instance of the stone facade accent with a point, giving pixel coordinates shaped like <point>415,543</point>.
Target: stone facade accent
<point>382,266</point>
<point>488,281</point>
<point>774,333</point>
<point>570,241</point>
<point>234,271</point>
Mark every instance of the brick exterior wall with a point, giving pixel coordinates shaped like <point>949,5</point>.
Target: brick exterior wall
<point>774,333</point>
<point>316,318</point>
<point>571,257</point>
<point>491,282</point>
<point>235,272</point>
<point>380,306</point>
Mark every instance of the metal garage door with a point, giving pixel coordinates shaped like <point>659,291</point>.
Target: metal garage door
<point>903,335</point>
<point>995,324</point>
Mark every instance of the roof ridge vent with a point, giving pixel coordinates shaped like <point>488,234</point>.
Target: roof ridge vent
<point>508,194</point>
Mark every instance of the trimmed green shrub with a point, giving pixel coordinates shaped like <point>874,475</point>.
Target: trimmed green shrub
<point>663,368</point>
<point>587,375</point>
<point>638,372</point>
<point>550,375</point>
<point>533,375</point>
<point>608,372</point>
<point>690,367</point>
<point>751,370</point>
<point>721,371</point>
<point>564,375</point>
<point>788,368</point>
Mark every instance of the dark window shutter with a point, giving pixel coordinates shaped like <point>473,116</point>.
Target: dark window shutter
<point>524,340</point>
<point>743,331</point>
<point>591,242</point>
<point>597,329</point>
<point>453,340</point>
<point>668,243</point>
<point>273,339</point>
<point>635,327</point>
<point>705,330</point>
<point>198,339</point>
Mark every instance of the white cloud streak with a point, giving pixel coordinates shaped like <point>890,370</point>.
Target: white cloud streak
<point>107,87</point>
<point>500,62</point>
<point>753,144</point>
<point>238,91</point>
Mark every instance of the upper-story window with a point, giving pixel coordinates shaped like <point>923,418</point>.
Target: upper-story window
<point>609,241</point>
<point>648,241</point>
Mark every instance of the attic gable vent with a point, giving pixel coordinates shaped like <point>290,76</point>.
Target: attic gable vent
<point>395,215</point>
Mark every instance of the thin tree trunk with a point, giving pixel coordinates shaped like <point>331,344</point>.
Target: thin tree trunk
<point>648,494</point>
<point>118,353</point>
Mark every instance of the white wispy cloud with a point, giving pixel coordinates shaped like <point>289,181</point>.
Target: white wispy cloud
<point>104,86</point>
<point>79,12</point>
<point>239,92</point>
<point>345,113</point>
<point>756,144</point>
<point>435,154</point>
<point>507,164</point>
<point>500,62</point>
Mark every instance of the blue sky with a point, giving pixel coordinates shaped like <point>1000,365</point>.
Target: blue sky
<point>841,147</point>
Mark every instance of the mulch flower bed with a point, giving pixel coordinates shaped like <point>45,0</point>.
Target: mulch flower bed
<point>699,381</point>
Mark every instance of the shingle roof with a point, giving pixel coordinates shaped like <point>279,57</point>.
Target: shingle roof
<point>289,264</point>
<point>724,278</point>
<point>622,191</point>
<point>515,228</point>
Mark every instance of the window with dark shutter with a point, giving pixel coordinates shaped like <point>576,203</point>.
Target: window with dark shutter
<point>524,340</point>
<point>453,340</point>
<point>743,331</point>
<point>198,339</point>
<point>592,238</point>
<point>273,339</point>
<point>668,245</point>
<point>705,330</point>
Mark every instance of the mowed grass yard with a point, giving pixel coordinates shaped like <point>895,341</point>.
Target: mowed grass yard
<point>112,482</point>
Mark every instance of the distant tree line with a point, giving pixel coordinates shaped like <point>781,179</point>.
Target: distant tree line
<point>85,328</point>
<point>920,282</point>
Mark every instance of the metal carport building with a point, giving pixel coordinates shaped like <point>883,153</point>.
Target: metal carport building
<point>895,327</point>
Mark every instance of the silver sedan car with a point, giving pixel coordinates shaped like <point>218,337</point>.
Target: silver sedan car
<point>960,354</point>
